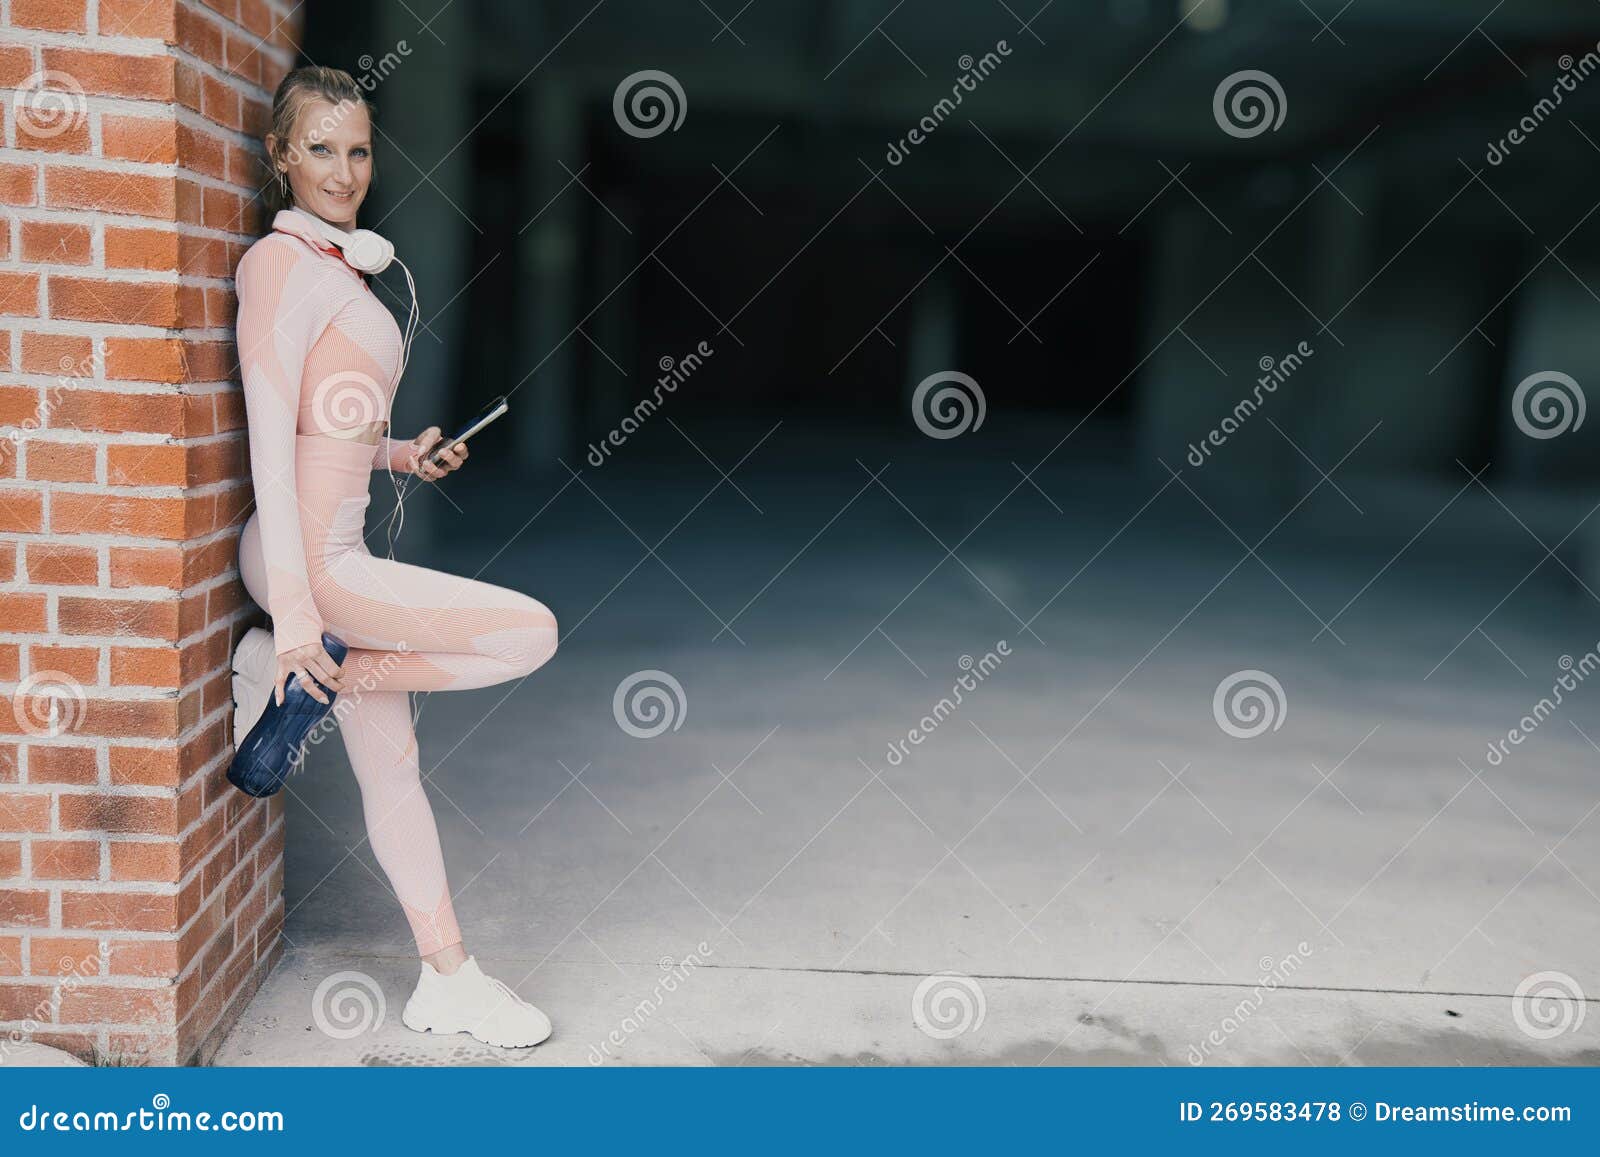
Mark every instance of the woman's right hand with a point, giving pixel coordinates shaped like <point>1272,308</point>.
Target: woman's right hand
<point>310,662</point>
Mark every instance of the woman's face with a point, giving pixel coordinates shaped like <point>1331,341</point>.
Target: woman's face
<point>329,161</point>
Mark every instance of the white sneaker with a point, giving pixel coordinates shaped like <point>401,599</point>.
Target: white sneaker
<point>468,1001</point>
<point>254,671</point>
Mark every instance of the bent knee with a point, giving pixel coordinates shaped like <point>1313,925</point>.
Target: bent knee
<point>530,642</point>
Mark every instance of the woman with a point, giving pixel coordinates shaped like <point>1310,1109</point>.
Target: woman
<point>320,359</point>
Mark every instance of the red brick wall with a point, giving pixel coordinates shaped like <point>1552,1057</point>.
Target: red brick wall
<point>140,895</point>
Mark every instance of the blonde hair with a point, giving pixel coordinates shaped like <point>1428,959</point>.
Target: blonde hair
<point>298,89</point>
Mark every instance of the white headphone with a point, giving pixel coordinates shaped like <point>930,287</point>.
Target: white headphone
<point>362,248</point>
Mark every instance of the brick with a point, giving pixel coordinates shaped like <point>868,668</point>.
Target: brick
<point>68,354</point>
<point>10,862</point>
<point>16,65</point>
<point>24,813</point>
<point>153,19</point>
<point>128,718</point>
<point>140,194</point>
<point>59,564</point>
<point>21,612</point>
<point>155,567</point>
<point>141,618</point>
<point>64,956</point>
<point>145,667</point>
<point>51,15</point>
<point>144,359</point>
<point>61,765</point>
<point>60,461</point>
<point>131,814</point>
<point>21,510</point>
<point>10,664</point>
<point>134,248</point>
<point>65,859</point>
<point>80,663</point>
<point>51,127</point>
<point>88,409</point>
<point>169,518</point>
<point>153,140</point>
<point>19,184</point>
<point>10,953</point>
<point>55,242</point>
<point>145,958</point>
<point>89,1003</point>
<point>151,862</point>
<point>19,406</point>
<point>171,465</point>
<point>114,73</point>
<point>119,911</point>
<point>25,1002</point>
<point>125,302</point>
<point>19,294</point>
<point>24,908</point>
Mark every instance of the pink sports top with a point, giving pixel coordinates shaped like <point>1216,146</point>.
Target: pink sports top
<point>317,353</point>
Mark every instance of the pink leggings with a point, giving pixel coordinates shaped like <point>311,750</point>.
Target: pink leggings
<point>408,629</point>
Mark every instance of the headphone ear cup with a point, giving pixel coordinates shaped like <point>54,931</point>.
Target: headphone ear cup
<point>368,251</point>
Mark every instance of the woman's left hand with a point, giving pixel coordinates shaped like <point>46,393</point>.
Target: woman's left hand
<point>449,459</point>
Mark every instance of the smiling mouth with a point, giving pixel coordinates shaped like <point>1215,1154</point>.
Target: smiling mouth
<point>340,196</point>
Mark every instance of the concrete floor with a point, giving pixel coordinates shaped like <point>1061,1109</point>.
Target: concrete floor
<point>1106,912</point>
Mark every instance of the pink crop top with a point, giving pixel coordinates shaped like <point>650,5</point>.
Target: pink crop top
<point>317,352</point>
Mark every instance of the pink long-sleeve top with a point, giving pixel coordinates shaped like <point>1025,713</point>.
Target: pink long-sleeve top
<point>317,352</point>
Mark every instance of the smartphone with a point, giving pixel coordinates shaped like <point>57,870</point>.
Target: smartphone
<point>488,414</point>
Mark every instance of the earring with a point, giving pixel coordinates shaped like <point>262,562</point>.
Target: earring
<point>283,186</point>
